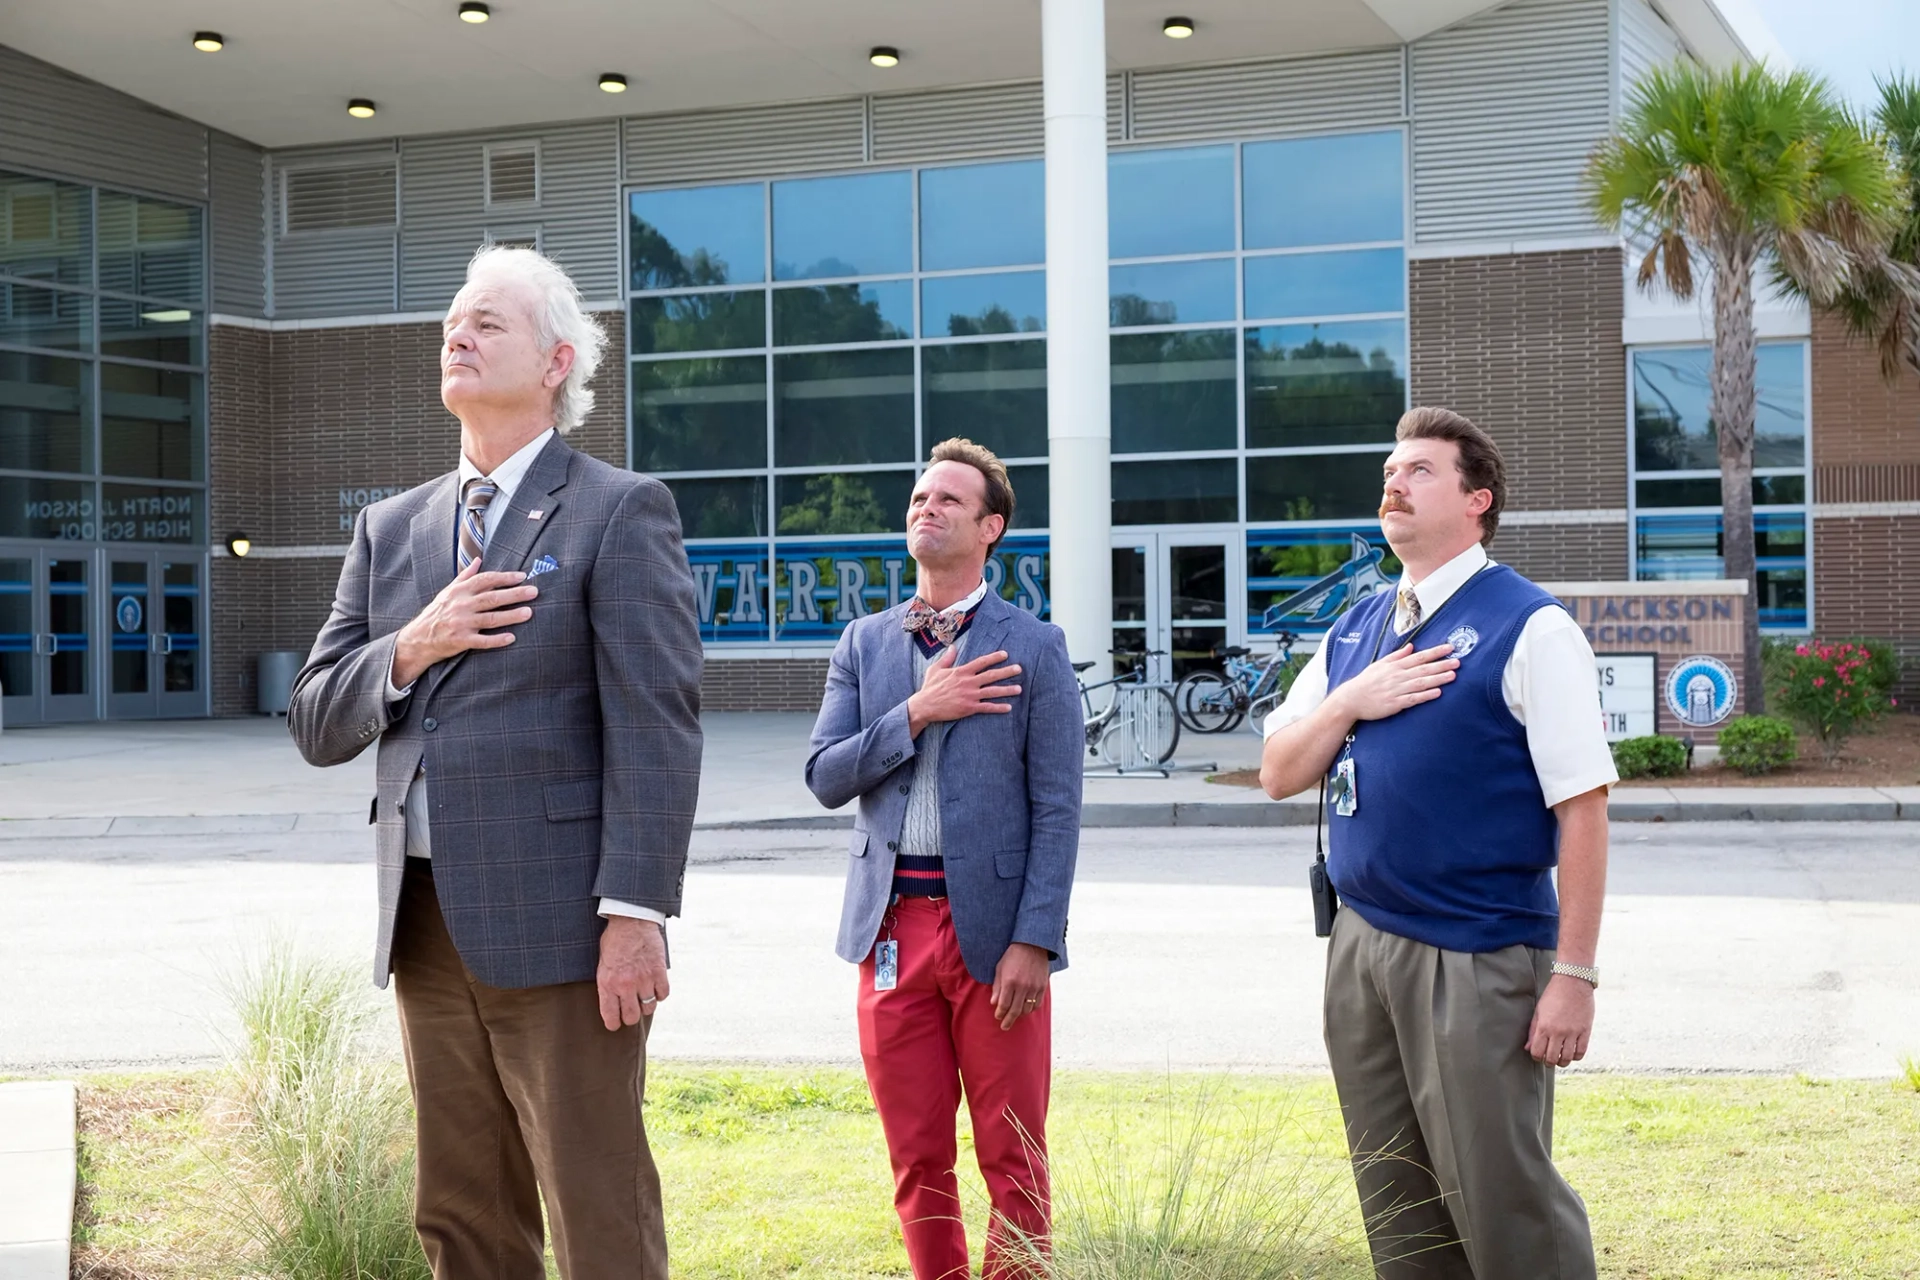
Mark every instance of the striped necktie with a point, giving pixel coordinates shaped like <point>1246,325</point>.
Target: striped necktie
<point>474,498</point>
<point>1410,606</point>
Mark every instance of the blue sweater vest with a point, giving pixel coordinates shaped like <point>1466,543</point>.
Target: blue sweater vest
<point>1452,843</point>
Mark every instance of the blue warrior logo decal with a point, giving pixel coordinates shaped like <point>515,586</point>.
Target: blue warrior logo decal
<point>1319,603</point>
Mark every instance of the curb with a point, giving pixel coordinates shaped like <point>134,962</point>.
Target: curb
<point>36,1179</point>
<point>1658,806</point>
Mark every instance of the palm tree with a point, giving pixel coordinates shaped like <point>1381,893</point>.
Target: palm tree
<point>1742,167</point>
<point>1882,301</point>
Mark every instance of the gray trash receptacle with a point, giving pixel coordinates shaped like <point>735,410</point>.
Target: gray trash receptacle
<point>275,680</point>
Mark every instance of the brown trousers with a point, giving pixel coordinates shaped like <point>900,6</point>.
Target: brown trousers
<point>1449,1119</point>
<point>520,1092</point>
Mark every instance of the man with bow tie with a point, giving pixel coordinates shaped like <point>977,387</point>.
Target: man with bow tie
<point>954,720</point>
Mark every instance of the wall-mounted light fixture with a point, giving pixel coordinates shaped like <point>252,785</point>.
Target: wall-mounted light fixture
<point>1177,28</point>
<point>360,108</point>
<point>884,55</point>
<point>475,12</point>
<point>612,82</point>
<point>209,41</point>
<point>238,545</point>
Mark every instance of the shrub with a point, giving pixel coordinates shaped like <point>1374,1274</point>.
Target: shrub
<point>1758,744</point>
<point>1650,757</point>
<point>1830,689</point>
<point>325,1140</point>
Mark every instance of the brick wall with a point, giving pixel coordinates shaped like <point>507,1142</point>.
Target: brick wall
<point>763,684</point>
<point>1565,552</point>
<point>295,416</point>
<point>1528,346</point>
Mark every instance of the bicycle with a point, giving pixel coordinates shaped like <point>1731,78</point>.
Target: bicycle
<point>1213,702</point>
<point>1104,728</point>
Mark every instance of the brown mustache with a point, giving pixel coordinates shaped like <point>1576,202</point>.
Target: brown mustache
<point>1393,503</point>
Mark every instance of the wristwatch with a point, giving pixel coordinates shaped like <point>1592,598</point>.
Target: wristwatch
<point>1585,973</point>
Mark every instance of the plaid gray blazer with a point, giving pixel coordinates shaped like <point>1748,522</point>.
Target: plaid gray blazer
<point>562,768</point>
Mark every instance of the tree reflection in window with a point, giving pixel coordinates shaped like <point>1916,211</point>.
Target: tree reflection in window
<point>1325,384</point>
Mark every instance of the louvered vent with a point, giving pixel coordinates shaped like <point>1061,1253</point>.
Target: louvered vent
<point>513,175</point>
<point>333,199</point>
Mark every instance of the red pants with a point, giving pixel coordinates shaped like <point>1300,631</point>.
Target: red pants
<point>925,1040</point>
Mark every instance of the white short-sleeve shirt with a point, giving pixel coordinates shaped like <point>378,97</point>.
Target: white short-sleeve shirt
<point>1549,685</point>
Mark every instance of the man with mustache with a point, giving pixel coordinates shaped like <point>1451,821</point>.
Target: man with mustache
<point>1456,724</point>
<point>955,720</point>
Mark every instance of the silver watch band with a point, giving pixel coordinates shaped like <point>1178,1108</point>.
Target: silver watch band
<point>1585,973</point>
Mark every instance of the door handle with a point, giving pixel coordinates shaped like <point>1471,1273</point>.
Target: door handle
<point>166,641</point>
<point>46,644</point>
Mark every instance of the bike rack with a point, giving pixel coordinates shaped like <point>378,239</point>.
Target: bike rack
<point>1136,729</point>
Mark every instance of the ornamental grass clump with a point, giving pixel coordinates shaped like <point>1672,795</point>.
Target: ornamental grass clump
<point>1830,690</point>
<point>323,1156</point>
<point>1757,745</point>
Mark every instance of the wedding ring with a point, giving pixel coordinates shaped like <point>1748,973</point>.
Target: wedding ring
<point>649,999</point>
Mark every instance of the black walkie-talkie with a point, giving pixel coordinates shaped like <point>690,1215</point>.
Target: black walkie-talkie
<point>1326,899</point>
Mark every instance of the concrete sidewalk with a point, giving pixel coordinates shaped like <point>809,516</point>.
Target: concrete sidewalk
<point>36,1179</point>
<point>243,777</point>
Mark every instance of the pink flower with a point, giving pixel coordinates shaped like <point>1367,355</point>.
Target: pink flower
<point>1818,681</point>
<point>1865,654</point>
<point>1800,650</point>
<point>1825,651</point>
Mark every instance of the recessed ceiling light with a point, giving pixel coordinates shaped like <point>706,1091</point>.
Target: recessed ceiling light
<point>612,82</point>
<point>360,108</point>
<point>1177,28</point>
<point>475,12</point>
<point>884,55</point>
<point>209,41</point>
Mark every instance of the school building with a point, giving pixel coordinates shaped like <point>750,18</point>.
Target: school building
<point>824,236</point>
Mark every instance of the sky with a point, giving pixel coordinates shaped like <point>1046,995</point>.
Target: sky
<point>1847,41</point>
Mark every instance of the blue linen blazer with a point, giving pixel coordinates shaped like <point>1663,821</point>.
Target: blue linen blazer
<point>1009,784</point>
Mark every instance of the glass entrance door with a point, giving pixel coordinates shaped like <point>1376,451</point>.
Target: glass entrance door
<point>1172,593</point>
<point>156,611</point>
<point>47,631</point>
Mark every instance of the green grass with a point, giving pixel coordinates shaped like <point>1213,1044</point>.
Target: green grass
<point>781,1172</point>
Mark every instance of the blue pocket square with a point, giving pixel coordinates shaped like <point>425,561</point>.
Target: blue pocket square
<point>545,564</point>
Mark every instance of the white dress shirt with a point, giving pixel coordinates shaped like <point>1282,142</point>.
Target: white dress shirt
<point>1549,684</point>
<point>506,478</point>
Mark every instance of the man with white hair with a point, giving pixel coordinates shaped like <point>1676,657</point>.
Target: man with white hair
<point>520,638</point>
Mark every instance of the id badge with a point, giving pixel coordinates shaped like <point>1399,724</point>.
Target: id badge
<point>886,966</point>
<point>1345,789</point>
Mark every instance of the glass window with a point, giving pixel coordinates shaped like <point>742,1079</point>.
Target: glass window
<point>150,247</point>
<point>1302,580</point>
<point>45,317</point>
<point>699,322</point>
<point>703,235</point>
<point>1673,429</point>
<point>1689,547</point>
<point>844,502</point>
<point>854,226</point>
<point>993,393</point>
<point>843,407</point>
<point>843,313</point>
<point>983,215</point>
<point>1326,284</point>
<point>148,513</point>
<point>725,507</point>
<point>1345,189</point>
<point>46,413</point>
<point>1173,391</point>
<point>1032,496</point>
<point>699,415</point>
<point>45,230</point>
<point>1185,491</point>
<point>150,423</point>
<point>1325,383</point>
<point>47,509</point>
<point>1704,491</point>
<point>1170,293</point>
<point>1166,202</point>
<point>150,331</point>
<point>964,306</point>
<point>1314,486</point>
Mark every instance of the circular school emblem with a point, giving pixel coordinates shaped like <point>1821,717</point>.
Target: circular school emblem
<point>1700,691</point>
<point>128,613</point>
<point>1463,639</point>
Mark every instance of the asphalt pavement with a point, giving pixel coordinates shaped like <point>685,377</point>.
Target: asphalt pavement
<point>1728,947</point>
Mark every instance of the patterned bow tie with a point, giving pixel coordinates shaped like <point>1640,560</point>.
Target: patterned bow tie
<point>943,625</point>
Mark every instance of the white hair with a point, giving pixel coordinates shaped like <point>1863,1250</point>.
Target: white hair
<point>558,318</point>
